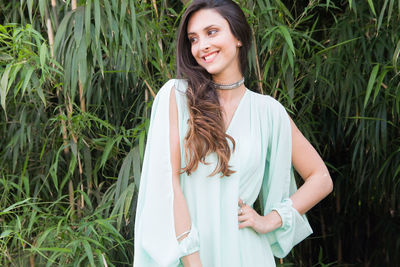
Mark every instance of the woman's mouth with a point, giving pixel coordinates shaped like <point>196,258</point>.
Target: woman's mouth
<point>210,57</point>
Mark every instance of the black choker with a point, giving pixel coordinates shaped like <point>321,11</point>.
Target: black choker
<point>229,86</point>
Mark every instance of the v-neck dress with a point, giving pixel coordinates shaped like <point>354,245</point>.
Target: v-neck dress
<point>261,160</point>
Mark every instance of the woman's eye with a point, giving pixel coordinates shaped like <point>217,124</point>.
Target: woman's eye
<point>211,32</point>
<point>192,39</point>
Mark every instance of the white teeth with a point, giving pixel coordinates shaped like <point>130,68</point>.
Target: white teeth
<point>208,58</point>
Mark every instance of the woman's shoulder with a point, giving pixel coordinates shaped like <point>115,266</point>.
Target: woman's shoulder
<point>270,110</point>
<point>179,85</point>
<point>266,102</point>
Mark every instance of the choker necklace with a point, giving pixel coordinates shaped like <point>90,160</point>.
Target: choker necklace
<point>229,86</point>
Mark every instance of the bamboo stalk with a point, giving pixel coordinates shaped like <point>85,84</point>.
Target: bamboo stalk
<point>104,260</point>
<point>82,102</point>
<point>71,198</point>
<point>64,133</point>
<point>74,5</point>
<point>50,33</point>
<point>63,124</point>
<point>160,44</point>
<point>155,7</point>
<point>79,210</point>
<point>75,140</point>
<point>277,86</point>
<point>151,90</point>
<point>54,8</point>
<point>259,77</point>
<point>161,59</point>
<point>81,95</point>
<point>32,260</point>
<point>8,257</point>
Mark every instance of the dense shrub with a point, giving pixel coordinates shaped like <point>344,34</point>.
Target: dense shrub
<point>77,82</point>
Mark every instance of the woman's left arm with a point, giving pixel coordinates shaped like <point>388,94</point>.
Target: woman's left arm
<point>317,185</point>
<point>307,162</point>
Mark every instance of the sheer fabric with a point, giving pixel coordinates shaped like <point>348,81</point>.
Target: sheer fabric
<point>262,161</point>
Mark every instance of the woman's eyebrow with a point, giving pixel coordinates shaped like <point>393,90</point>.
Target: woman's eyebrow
<point>205,28</point>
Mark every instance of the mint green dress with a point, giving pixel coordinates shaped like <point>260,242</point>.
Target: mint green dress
<point>262,161</point>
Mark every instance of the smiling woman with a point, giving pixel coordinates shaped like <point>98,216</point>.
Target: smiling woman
<point>213,46</point>
<point>218,147</point>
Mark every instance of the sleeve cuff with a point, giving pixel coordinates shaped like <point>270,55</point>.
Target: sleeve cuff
<point>284,210</point>
<point>294,229</point>
<point>191,243</point>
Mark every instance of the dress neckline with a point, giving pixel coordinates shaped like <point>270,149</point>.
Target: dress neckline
<point>236,111</point>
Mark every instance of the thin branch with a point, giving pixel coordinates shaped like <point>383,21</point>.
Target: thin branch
<point>54,8</point>
<point>50,33</point>
<point>151,90</point>
<point>81,94</point>
<point>155,7</point>
<point>259,77</point>
<point>74,5</point>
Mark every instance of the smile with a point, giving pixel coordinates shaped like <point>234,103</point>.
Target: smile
<point>210,57</point>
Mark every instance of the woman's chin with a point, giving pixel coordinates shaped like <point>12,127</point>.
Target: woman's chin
<point>212,71</point>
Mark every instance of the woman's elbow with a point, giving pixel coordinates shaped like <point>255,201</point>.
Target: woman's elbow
<point>327,183</point>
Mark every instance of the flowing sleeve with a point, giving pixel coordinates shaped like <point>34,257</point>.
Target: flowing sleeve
<point>155,237</point>
<point>279,184</point>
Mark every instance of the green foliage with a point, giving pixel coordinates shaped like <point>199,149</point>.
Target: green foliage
<point>75,91</point>
<point>26,66</point>
<point>44,232</point>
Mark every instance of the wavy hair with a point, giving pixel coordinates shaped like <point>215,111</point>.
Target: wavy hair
<point>206,132</point>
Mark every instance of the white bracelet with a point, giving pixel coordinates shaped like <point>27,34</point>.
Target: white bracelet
<point>184,233</point>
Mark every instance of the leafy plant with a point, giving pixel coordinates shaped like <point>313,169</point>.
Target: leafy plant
<point>77,79</point>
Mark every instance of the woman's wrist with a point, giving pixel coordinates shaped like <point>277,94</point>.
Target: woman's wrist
<point>272,221</point>
<point>192,260</point>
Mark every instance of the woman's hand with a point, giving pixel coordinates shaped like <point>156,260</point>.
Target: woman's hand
<point>248,217</point>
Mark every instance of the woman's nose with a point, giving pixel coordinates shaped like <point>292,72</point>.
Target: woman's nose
<point>204,44</point>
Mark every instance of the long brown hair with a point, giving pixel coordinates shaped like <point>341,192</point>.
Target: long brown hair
<point>206,132</point>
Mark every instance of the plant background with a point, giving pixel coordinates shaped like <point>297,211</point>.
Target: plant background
<point>77,79</point>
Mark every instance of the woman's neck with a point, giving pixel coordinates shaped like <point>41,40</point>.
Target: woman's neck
<point>227,78</point>
<point>226,96</point>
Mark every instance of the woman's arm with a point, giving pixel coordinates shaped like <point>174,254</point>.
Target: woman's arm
<point>317,185</point>
<point>307,162</point>
<point>181,211</point>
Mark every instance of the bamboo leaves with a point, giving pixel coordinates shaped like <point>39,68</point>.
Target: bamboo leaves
<point>4,86</point>
<point>371,6</point>
<point>396,57</point>
<point>61,32</point>
<point>371,83</point>
<point>74,134</point>
<point>25,49</point>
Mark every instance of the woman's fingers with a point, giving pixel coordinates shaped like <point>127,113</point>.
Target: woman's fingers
<point>244,224</point>
<point>243,208</point>
<point>245,213</point>
<point>242,216</point>
<point>248,217</point>
<point>240,202</point>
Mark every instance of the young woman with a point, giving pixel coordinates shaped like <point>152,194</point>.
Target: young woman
<point>214,147</point>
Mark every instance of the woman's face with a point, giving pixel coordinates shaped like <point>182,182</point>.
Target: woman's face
<point>213,45</point>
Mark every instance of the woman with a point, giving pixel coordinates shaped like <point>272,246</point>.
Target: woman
<point>213,148</point>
